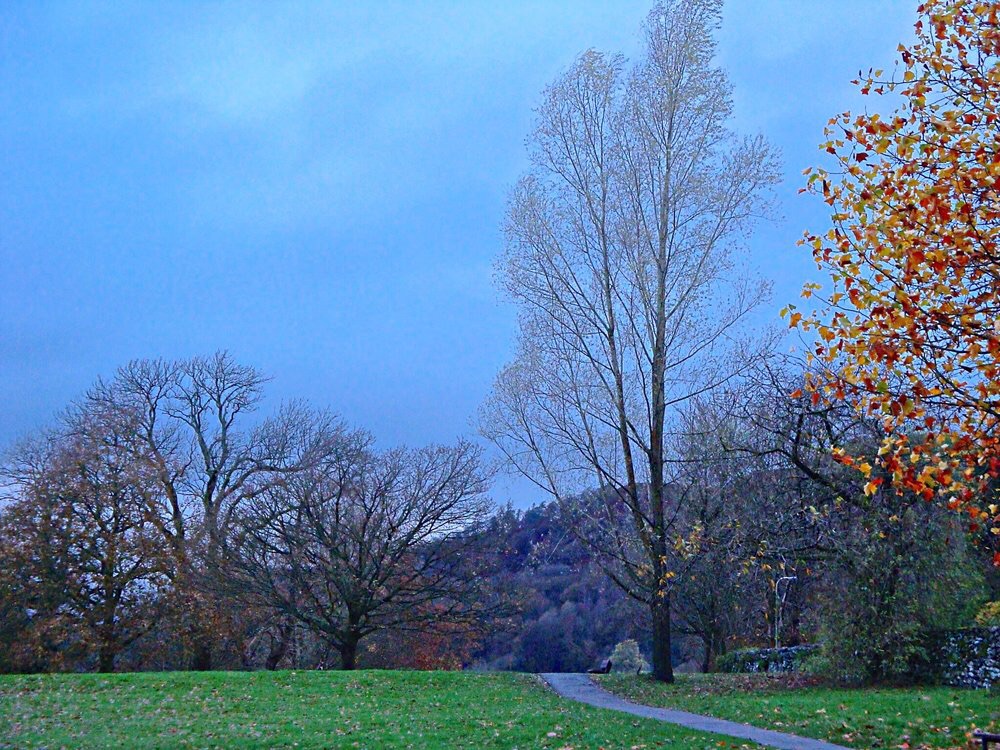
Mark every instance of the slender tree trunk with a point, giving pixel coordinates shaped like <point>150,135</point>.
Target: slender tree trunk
<point>663,669</point>
<point>793,635</point>
<point>720,649</point>
<point>715,646</point>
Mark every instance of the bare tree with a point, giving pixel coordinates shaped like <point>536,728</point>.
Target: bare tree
<point>367,541</point>
<point>621,255</point>
<point>189,423</point>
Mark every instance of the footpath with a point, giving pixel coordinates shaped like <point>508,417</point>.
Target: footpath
<point>579,687</point>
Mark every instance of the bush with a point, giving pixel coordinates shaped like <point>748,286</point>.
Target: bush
<point>907,573</point>
<point>626,657</point>
<point>989,615</point>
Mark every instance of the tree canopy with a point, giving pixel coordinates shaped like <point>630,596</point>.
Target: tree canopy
<point>909,329</point>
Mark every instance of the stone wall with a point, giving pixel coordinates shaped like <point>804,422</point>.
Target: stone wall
<point>787,659</point>
<point>968,658</point>
<point>965,658</point>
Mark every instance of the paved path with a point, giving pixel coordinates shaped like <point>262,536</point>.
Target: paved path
<point>579,687</point>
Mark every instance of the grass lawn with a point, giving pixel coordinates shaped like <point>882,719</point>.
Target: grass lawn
<point>872,718</point>
<point>365,709</point>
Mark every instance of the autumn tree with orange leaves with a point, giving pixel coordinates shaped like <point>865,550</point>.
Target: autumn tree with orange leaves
<point>910,330</point>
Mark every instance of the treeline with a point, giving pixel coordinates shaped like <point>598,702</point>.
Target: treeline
<point>162,524</point>
<point>773,539</point>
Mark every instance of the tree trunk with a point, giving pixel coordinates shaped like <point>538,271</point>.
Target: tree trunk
<point>107,648</point>
<point>201,659</point>
<point>279,647</point>
<point>348,653</point>
<point>793,635</point>
<point>663,669</point>
<point>106,658</point>
<point>720,650</point>
<point>715,646</point>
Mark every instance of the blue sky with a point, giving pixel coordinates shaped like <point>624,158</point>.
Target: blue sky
<point>318,187</point>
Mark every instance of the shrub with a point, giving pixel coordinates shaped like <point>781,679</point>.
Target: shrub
<point>905,573</point>
<point>989,615</point>
<point>626,657</point>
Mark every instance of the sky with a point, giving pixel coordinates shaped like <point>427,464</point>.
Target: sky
<point>318,187</point>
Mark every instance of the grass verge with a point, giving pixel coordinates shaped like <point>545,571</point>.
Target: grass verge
<point>365,709</point>
<point>912,718</point>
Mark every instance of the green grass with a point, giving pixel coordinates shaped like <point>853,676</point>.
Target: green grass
<point>871,718</point>
<point>365,709</point>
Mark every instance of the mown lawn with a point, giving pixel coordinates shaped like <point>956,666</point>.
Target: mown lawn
<point>871,718</point>
<point>365,709</point>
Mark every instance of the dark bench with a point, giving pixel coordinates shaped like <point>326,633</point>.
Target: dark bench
<point>987,738</point>
<point>603,670</point>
